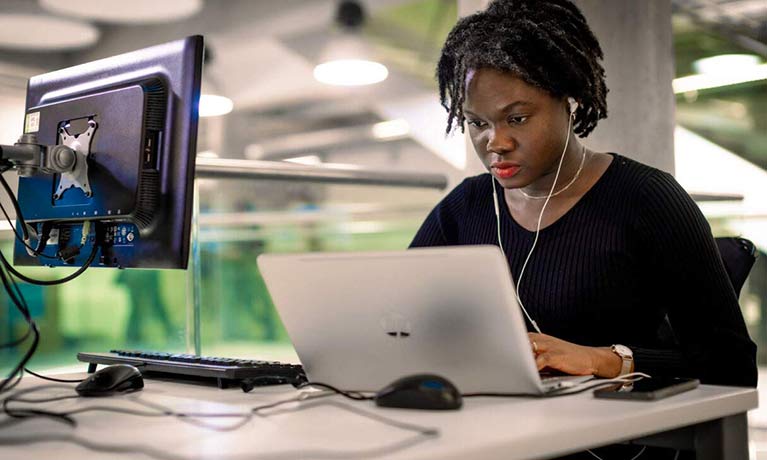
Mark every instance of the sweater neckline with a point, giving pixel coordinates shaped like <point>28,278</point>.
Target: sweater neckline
<point>586,196</point>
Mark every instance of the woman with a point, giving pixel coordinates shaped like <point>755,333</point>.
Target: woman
<point>619,247</point>
<point>605,250</point>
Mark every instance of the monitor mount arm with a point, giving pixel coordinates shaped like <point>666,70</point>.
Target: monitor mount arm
<point>31,158</point>
<point>68,158</point>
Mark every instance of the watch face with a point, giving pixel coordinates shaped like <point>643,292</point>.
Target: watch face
<point>623,350</point>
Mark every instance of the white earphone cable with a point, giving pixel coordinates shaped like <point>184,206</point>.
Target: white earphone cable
<point>500,245</point>
<point>538,227</point>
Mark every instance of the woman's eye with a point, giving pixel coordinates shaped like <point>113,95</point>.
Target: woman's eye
<point>517,120</point>
<point>476,123</point>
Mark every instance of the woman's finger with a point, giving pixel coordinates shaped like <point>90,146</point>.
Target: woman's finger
<point>542,360</point>
<point>543,342</point>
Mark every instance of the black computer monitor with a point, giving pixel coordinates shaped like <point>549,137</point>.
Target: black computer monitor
<point>132,121</point>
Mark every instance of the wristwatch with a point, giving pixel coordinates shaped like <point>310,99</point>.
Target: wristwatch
<point>626,355</point>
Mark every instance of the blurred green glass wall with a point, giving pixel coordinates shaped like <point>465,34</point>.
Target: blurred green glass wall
<point>148,309</point>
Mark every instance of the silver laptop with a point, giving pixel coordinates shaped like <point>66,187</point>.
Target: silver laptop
<point>361,320</point>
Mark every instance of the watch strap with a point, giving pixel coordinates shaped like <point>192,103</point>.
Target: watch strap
<point>627,358</point>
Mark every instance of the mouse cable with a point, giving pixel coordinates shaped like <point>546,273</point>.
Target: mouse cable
<point>159,410</point>
<point>13,385</point>
<point>28,371</point>
<point>52,379</point>
<point>250,383</point>
<point>355,395</point>
<point>192,417</point>
<point>162,411</point>
<point>423,433</point>
<point>63,416</point>
<point>30,413</point>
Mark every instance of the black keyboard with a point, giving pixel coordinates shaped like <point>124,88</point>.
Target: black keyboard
<point>225,371</point>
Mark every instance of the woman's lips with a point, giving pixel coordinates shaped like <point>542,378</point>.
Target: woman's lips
<point>505,170</point>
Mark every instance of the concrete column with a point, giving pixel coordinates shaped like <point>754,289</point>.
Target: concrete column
<point>637,42</point>
<point>639,62</point>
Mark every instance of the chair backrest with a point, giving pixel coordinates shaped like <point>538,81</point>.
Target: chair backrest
<point>738,255</point>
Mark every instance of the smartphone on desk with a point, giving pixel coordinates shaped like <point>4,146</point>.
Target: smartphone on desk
<point>650,389</point>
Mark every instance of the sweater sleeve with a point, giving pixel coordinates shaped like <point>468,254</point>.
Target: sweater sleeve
<point>688,278</point>
<point>441,225</point>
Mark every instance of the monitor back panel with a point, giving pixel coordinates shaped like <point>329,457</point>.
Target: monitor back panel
<point>125,184</point>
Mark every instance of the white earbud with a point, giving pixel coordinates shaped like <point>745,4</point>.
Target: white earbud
<point>573,105</point>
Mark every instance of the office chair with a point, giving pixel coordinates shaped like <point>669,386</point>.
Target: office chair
<point>738,256</point>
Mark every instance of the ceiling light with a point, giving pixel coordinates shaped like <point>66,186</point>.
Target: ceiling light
<point>214,106</point>
<point>706,81</point>
<point>726,64</point>
<point>45,33</point>
<point>122,12</point>
<point>345,60</point>
<point>391,129</point>
<point>350,72</point>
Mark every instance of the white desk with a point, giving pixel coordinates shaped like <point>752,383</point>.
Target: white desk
<point>486,428</point>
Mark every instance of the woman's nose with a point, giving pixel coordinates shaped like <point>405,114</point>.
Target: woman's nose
<point>500,142</point>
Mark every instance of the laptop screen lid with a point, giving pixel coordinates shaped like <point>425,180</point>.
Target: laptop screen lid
<point>360,320</point>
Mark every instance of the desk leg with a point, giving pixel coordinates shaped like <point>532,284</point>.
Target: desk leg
<point>721,439</point>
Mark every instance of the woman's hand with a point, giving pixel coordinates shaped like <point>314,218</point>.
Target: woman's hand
<point>553,353</point>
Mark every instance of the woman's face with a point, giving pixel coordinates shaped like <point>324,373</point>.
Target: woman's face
<point>518,130</point>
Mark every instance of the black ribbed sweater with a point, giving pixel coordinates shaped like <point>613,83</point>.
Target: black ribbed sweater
<point>634,249</point>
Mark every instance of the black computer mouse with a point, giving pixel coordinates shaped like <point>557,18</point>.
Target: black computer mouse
<point>110,380</point>
<point>422,391</point>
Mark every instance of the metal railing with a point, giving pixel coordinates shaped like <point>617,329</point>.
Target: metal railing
<point>220,168</point>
